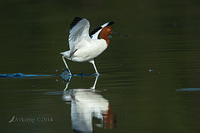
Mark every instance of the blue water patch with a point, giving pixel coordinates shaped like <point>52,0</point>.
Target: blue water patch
<point>21,75</point>
<point>188,89</point>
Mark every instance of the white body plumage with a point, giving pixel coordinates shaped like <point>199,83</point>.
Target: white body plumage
<point>88,49</point>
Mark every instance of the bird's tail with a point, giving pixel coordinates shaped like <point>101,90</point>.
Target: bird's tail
<point>65,54</point>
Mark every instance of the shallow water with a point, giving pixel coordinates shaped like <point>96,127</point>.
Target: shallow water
<point>150,79</point>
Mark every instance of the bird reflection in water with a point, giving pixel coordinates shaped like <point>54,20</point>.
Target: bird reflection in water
<point>87,104</point>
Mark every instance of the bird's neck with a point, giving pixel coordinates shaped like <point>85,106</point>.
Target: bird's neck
<point>105,37</point>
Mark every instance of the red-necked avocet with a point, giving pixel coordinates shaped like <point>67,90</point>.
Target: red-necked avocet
<point>84,46</point>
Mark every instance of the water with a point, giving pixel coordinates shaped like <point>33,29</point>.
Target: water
<point>150,79</point>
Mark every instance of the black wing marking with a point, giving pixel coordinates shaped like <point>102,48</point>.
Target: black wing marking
<point>75,21</point>
<point>94,31</point>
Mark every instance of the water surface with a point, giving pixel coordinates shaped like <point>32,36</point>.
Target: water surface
<point>150,79</point>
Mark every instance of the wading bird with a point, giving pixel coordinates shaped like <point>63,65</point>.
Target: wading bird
<point>84,46</point>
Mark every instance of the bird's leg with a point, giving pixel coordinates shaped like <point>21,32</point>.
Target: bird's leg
<point>63,58</point>
<point>92,61</point>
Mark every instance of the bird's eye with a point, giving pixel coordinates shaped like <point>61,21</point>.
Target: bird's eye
<point>109,30</point>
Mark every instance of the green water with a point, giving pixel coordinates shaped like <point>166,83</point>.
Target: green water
<point>141,73</point>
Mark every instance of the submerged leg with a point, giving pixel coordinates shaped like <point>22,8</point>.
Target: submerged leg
<point>92,61</point>
<point>63,58</point>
